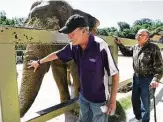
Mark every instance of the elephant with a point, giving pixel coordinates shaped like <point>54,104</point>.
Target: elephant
<point>52,15</point>
<point>49,15</point>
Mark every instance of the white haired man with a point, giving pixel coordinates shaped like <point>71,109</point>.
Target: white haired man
<point>148,67</point>
<point>94,61</point>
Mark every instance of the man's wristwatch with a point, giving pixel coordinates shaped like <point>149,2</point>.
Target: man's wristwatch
<point>38,61</point>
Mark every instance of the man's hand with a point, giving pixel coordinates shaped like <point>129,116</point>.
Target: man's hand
<point>112,100</point>
<point>118,41</point>
<point>33,64</point>
<point>111,108</point>
<point>154,84</point>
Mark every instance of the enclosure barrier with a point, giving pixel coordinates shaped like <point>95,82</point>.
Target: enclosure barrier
<point>9,36</point>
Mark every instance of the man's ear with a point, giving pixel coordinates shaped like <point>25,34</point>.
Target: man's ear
<point>83,31</point>
<point>148,38</point>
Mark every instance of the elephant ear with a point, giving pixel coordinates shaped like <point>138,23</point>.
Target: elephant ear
<point>35,4</point>
<point>93,22</point>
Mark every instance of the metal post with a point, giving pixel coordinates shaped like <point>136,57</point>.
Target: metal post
<point>8,84</point>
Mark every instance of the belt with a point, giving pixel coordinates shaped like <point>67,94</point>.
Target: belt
<point>142,75</point>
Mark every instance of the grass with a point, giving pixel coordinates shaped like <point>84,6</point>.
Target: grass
<point>125,102</point>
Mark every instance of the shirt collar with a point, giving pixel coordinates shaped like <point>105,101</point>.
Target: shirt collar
<point>146,44</point>
<point>91,38</point>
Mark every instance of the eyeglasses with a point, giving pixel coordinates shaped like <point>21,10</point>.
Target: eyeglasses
<point>141,35</point>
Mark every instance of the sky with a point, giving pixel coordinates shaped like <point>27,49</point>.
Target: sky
<point>109,12</point>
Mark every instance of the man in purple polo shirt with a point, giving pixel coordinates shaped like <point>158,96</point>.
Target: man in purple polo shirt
<point>95,64</point>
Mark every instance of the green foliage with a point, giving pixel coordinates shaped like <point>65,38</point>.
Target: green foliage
<point>156,31</point>
<point>107,31</point>
<point>143,21</point>
<point>102,32</point>
<point>157,24</point>
<point>119,116</point>
<point>127,31</point>
<point>126,102</point>
<point>113,29</point>
<point>12,22</point>
<point>123,26</point>
<point>2,16</point>
<point>7,21</point>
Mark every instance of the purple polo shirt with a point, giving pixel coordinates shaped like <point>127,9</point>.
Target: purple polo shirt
<point>95,65</point>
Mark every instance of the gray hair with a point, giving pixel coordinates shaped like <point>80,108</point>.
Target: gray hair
<point>87,28</point>
<point>143,30</point>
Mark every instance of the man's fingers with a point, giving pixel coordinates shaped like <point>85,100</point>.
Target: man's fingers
<point>157,85</point>
<point>117,41</point>
<point>30,66</point>
<point>29,63</point>
<point>109,110</point>
<point>154,85</point>
<point>35,69</point>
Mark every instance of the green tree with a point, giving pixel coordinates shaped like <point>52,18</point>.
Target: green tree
<point>123,25</point>
<point>2,16</point>
<point>127,31</point>
<point>113,29</point>
<point>18,21</point>
<point>102,32</point>
<point>143,21</point>
<point>12,22</point>
<point>156,24</point>
<point>7,21</point>
<point>135,28</point>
